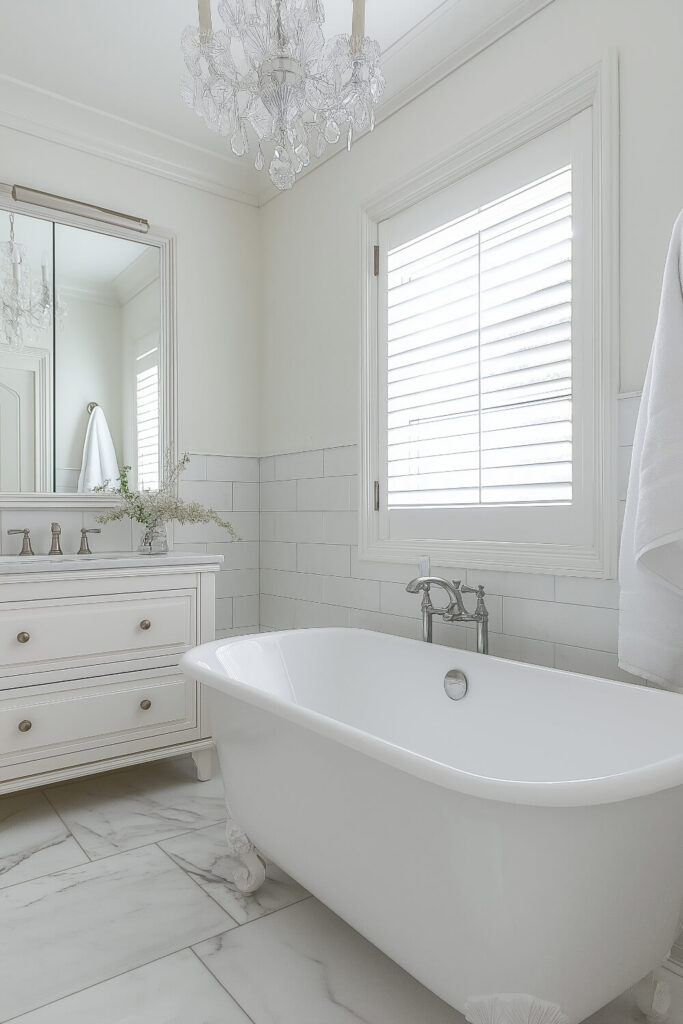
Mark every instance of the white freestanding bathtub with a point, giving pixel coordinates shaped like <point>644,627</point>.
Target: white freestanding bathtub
<point>527,838</point>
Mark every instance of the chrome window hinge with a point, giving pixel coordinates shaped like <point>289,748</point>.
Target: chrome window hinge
<point>376,495</point>
<point>376,261</point>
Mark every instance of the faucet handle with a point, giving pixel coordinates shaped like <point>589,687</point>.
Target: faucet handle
<point>26,548</point>
<point>85,547</point>
<point>465,589</point>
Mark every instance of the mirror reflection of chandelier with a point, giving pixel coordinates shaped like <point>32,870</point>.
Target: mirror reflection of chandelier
<point>271,74</point>
<point>25,310</point>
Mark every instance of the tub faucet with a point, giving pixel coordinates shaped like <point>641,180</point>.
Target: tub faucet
<point>455,611</point>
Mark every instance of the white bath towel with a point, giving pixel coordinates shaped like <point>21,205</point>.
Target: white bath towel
<point>99,457</point>
<point>651,561</point>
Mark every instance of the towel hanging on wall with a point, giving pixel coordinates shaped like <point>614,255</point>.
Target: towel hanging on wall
<point>99,457</point>
<point>651,560</point>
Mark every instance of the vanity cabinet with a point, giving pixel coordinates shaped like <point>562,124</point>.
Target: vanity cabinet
<point>89,651</point>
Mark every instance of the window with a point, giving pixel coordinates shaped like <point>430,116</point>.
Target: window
<point>479,380</point>
<point>488,374</point>
<point>147,413</point>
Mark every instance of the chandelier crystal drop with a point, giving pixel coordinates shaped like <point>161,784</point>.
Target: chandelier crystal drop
<point>271,79</point>
<point>25,310</point>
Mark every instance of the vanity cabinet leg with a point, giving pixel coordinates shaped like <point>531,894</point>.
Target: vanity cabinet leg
<point>203,762</point>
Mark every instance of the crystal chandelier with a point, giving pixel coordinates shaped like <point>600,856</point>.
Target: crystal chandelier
<point>271,75</point>
<point>24,310</point>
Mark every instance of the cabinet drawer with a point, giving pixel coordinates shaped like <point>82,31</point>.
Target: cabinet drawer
<point>39,635</point>
<point>94,715</point>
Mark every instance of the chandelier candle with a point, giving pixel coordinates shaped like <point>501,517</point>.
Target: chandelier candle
<point>270,80</point>
<point>204,16</point>
<point>358,23</point>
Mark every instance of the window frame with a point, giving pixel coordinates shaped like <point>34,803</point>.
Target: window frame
<point>591,551</point>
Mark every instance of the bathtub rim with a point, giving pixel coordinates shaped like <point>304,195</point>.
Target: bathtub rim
<point>645,780</point>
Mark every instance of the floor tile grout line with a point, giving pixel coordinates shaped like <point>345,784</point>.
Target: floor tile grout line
<point>104,981</point>
<point>238,924</point>
<point>101,860</point>
<point>81,848</point>
<point>195,882</point>
<point>219,982</point>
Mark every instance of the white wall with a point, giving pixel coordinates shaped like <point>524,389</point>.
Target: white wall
<point>88,368</point>
<point>311,353</point>
<point>217,280</point>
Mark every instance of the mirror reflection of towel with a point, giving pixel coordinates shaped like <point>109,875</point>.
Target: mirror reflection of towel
<point>99,457</point>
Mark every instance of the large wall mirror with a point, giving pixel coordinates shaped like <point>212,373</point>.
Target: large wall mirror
<point>86,357</point>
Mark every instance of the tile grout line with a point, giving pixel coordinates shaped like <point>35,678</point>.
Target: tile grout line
<point>107,856</point>
<point>80,847</point>
<point>103,981</point>
<point>195,882</point>
<point>219,982</point>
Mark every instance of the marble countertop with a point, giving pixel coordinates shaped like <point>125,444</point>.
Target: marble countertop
<point>109,560</point>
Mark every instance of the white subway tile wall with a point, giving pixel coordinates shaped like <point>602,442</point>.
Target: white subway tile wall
<point>230,485</point>
<point>311,574</point>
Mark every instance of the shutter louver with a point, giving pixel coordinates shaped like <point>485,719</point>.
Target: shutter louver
<point>147,426</point>
<point>479,369</point>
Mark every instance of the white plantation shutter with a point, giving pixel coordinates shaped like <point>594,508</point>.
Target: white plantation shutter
<point>147,410</point>
<point>489,357</point>
<point>479,355</point>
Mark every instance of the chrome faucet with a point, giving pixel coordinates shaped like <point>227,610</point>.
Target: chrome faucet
<point>55,547</point>
<point>26,548</point>
<point>455,611</point>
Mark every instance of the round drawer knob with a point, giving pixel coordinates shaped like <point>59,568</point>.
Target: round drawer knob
<point>145,704</point>
<point>23,638</point>
<point>145,624</point>
<point>25,725</point>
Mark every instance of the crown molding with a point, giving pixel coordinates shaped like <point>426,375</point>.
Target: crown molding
<point>44,115</point>
<point>137,276</point>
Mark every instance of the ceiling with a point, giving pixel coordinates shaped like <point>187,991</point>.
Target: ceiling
<point>124,57</point>
<point>88,258</point>
<point>103,76</point>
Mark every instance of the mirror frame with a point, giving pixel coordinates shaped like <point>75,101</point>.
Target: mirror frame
<point>166,244</point>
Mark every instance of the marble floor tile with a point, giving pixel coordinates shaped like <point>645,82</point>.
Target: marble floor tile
<point>126,809</point>
<point>67,931</point>
<point>622,1011</point>
<point>303,965</point>
<point>33,839</point>
<point>204,855</point>
<point>175,990</point>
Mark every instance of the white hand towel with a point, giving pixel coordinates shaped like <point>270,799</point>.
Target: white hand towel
<point>651,561</point>
<point>99,457</point>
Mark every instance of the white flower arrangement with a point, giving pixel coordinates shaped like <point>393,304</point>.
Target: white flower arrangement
<point>154,508</point>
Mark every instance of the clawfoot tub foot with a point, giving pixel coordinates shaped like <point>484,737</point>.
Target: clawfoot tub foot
<point>250,874</point>
<point>653,998</point>
<point>512,1009</point>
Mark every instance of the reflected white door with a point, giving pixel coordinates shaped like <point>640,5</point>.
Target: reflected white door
<point>25,422</point>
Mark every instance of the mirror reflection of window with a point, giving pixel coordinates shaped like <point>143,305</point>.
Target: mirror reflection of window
<point>147,413</point>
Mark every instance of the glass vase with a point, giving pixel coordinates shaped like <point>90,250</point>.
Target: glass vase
<point>154,540</point>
